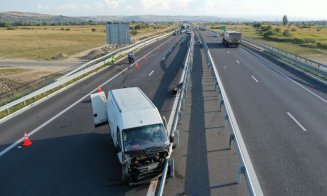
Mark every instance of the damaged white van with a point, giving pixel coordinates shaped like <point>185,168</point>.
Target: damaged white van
<point>138,132</point>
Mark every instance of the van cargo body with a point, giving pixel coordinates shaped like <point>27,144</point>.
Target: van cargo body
<point>139,135</point>
<point>232,38</point>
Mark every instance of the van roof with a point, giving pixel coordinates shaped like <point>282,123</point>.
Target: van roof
<point>135,107</point>
<point>131,99</point>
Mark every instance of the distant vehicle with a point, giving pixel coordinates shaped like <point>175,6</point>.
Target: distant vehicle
<point>231,38</point>
<point>215,35</point>
<point>174,33</point>
<point>138,132</point>
<point>188,31</point>
<point>183,31</point>
<point>202,28</point>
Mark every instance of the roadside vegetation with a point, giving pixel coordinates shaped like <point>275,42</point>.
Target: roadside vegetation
<point>47,42</point>
<point>309,40</point>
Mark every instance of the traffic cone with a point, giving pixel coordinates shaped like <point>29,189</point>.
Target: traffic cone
<point>99,89</point>
<point>27,141</point>
<point>145,58</point>
<point>137,66</point>
<point>158,49</point>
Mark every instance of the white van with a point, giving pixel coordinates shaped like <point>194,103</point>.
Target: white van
<point>137,130</point>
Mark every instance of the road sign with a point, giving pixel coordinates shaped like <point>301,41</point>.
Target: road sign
<point>117,33</point>
<point>222,28</point>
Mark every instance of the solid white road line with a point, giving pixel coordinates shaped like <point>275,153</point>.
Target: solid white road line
<point>238,62</point>
<point>72,105</point>
<point>151,72</point>
<point>255,79</point>
<point>297,122</point>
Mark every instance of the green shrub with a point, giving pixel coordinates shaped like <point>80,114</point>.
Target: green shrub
<point>287,33</point>
<point>268,34</point>
<point>134,32</point>
<point>277,29</point>
<point>293,29</point>
<point>322,45</point>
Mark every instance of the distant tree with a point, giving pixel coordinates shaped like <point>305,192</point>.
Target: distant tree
<point>257,25</point>
<point>137,27</point>
<point>134,32</point>
<point>4,24</point>
<point>285,20</point>
<point>94,29</point>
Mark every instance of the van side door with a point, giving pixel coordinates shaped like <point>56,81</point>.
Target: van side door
<point>99,107</point>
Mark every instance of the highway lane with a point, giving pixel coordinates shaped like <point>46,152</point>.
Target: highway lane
<point>12,130</point>
<point>283,124</point>
<point>71,157</point>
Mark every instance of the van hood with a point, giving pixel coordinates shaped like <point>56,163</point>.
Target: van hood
<point>140,118</point>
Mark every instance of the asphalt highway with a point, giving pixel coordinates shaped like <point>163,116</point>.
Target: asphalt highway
<point>68,155</point>
<point>282,116</point>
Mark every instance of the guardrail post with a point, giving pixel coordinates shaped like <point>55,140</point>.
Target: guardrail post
<point>231,138</point>
<point>221,104</point>
<point>180,117</point>
<point>240,170</point>
<point>183,103</point>
<point>8,112</point>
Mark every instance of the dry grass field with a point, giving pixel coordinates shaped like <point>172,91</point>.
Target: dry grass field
<point>27,44</point>
<point>43,43</point>
<point>314,39</point>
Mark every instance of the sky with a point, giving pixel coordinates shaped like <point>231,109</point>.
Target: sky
<point>250,9</point>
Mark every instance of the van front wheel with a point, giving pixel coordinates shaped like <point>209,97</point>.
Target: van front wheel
<point>124,174</point>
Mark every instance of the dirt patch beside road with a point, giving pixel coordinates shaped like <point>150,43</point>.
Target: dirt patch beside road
<point>23,74</point>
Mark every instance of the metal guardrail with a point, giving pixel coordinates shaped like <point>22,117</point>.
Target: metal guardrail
<point>77,73</point>
<point>107,56</point>
<point>181,101</point>
<point>245,164</point>
<point>294,58</point>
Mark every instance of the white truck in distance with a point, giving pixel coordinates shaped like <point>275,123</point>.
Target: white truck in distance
<point>232,38</point>
<point>139,134</point>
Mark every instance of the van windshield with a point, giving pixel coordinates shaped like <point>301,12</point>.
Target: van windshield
<point>144,137</point>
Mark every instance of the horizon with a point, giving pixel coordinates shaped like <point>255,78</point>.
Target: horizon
<point>229,9</point>
<point>244,18</point>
